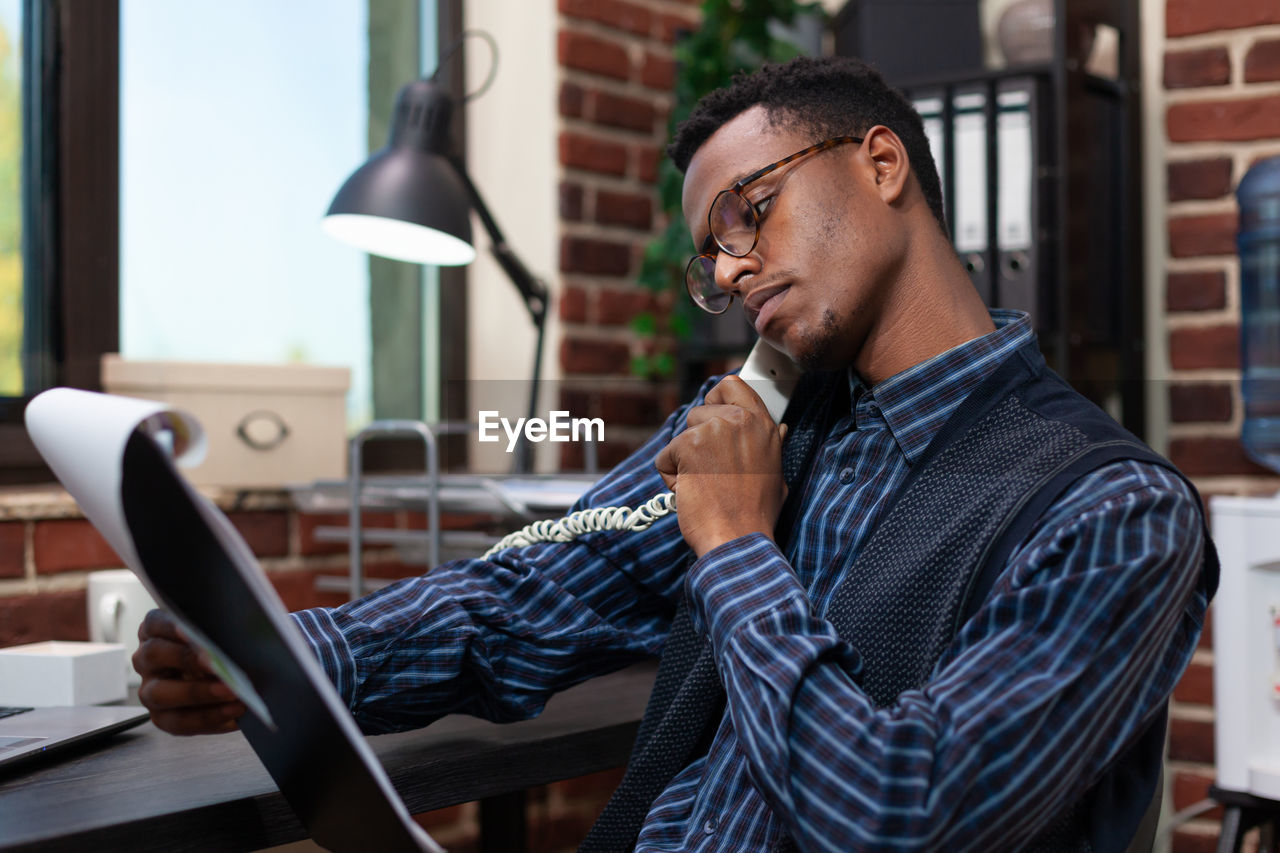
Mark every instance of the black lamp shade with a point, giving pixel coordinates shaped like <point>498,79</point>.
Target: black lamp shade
<point>408,201</point>
<point>405,204</point>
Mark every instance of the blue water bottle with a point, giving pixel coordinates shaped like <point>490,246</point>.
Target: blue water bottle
<point>1259,242</point>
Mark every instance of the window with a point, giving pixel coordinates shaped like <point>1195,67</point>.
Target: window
<point>12,302</point>
<point>66,311</point>
<point>239,121</point>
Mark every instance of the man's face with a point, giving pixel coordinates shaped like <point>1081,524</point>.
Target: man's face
<point>813,285</point>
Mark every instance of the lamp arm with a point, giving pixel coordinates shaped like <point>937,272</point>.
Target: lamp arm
<point>532,289</point>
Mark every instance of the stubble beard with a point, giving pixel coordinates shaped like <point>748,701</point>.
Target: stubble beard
<point>820,343</point>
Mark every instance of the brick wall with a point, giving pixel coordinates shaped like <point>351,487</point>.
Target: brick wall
<point>617,74</point>
<point>48,550</point>
<point>1221,90</point>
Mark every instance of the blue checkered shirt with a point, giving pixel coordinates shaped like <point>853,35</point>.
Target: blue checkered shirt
<point>1079,643</point>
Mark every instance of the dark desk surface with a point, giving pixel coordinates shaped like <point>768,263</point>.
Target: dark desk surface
<point>146,790</point>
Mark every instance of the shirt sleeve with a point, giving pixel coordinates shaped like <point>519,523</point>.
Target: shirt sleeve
<point>497,638</point>
<point>1080,642</point>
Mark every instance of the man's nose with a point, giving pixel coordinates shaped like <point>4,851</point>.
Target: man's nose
<point>730,271</point>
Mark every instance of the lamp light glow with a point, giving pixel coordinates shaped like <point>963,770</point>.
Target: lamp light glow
<point>398,240</point>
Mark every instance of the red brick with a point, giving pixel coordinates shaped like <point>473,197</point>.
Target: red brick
<point>1185,69</point>
<point>572,198</point>
<point>1191,740</point>
<point>610,110</point>
<point>68,544</point>
<point>590,787</point>
<point>298,590</point>
<point>1199,179</point>
<point>1204,402</point>
<point>1262,62</point>
<point>619,307</point>
<point>12,539</point>
<point>638,409</point>
<point>309,546</point>
<point>573,305</point>
<point>44,616</point>
<point>632,210</point>
<point>595,55</point>
<point>1186,841</point>
<point>1189,788</point>
<point>592,154</point>
<point>671,26</point>
<point>452,521</point>
<point>1210,456</point>
<point>1208,234</point>
<point>610,453</point>
<point>1186,17</point>
<point>647,158</point>
<point>573,100</point>
<point>591,356</point>
<point>1225,121</point>
<point>658,72</point>
<point>1196,291</point>
<point>1196,685</point>
<point>1201,347</point>
<point>617,14</point>
<point>266,533</point>
<point>557,831</point>
<point>440,818</point>
<point>591,256</point>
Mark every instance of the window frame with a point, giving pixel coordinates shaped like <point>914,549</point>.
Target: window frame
<point>71,209</point>
<point>71,215</point>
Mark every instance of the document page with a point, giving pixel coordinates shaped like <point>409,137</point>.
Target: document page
<point>116,456</point>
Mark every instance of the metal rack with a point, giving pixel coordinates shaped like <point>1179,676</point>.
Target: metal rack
<point>515,499</point>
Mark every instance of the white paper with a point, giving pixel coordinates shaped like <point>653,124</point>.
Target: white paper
<point>82,436</point>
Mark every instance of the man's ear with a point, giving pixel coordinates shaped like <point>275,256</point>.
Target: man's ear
<point>889,157</point>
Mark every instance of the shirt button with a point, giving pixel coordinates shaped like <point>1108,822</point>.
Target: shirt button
<point>846,476</point>
<point>874,410</point>
<point>709,825</point>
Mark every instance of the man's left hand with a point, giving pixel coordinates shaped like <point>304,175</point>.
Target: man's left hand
<point>726,468</point>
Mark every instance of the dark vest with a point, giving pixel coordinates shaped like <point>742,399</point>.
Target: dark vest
<point>1011,449</point>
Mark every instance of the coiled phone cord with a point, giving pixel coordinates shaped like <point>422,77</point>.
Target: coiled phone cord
<point>583,521</point>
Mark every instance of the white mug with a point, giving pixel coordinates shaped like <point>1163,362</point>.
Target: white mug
<point>117,604</point>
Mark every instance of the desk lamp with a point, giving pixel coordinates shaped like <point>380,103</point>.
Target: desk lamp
<point>411,202</point>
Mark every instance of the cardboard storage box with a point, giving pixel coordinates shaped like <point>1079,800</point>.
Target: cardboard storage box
<point>267,425</point>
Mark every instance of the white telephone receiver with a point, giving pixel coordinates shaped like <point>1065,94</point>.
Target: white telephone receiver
<point>769,372</point>
<point>772,375</point>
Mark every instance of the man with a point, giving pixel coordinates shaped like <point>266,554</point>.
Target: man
<point>942,608</point>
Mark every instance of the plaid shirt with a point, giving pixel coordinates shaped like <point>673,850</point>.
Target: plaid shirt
<point>1080,642</point>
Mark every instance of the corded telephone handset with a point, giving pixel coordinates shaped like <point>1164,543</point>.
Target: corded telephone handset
<point>770,373</point>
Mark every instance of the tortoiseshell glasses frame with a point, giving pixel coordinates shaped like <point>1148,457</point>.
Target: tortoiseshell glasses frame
<point>733,225</point>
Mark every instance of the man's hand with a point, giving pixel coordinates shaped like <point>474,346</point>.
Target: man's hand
<point>178,687</point>
<point>726,468</point>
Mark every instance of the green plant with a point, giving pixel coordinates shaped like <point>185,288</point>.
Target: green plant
<point>734,36</point>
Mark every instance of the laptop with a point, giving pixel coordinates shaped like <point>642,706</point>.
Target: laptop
<point>116,456</point>
<point>29,734</point>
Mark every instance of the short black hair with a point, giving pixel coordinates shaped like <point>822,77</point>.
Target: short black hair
<point>826,96</point>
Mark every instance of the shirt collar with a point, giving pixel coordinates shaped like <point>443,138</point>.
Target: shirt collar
<point>917,402</point>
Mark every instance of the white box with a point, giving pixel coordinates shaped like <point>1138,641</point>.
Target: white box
<point>267,425</point>
<point>58,673</point>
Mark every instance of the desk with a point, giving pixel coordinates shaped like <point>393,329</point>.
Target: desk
<point>147,790</point>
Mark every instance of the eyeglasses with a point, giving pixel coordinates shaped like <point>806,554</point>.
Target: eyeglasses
<point>733,225</point>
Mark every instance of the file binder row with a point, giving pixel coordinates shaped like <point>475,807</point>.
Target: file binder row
<point>985,140</point>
